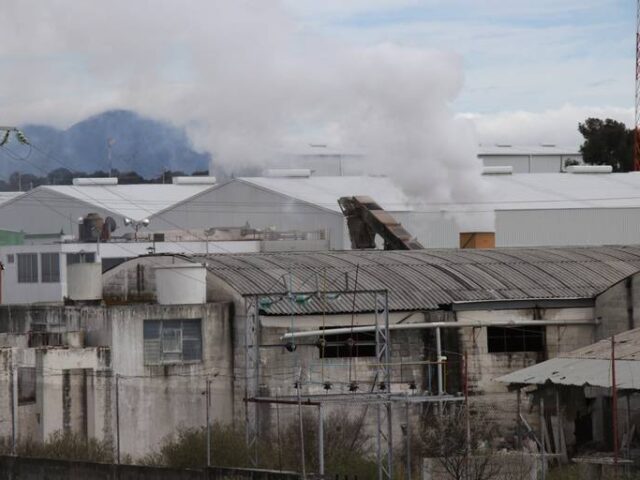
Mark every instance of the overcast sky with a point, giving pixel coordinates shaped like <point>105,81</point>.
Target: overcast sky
<point>529,70</point>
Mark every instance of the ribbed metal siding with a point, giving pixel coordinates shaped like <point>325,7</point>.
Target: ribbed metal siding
<point>593,226</point>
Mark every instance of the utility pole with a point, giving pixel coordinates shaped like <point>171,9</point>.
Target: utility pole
<point>614,406</point>
<point>636,130</point>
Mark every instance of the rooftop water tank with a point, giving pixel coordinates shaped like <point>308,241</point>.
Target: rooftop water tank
<point>181,284</point>
<point>84,281</point>
<point>90,230</point>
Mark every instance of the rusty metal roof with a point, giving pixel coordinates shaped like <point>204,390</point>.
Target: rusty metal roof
<point>590,365</point>
<point>425,279</point>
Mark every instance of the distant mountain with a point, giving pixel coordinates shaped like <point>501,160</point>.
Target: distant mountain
<point>139,144</point>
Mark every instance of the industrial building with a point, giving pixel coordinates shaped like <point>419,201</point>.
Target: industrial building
<point>546,209</point>
<point>546,158</point>
<point>55,209</point>
<point>583,206</point>
<point>269,325</point>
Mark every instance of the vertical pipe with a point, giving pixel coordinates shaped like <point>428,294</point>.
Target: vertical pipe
<point>390,440</point>
<point>439,354</point>
<point>628,425</point>
<point>117,420</point>
<point>379,439</point>
<point>14,382</point>
<point>559,426</point>
<point>518,415</point>
<point>208,401</point>
<point>467,420</point>
<point>614,405</point>
<point>543,460</point>
<point>320,440</point>
<point>408,439</point>
<point>300,424</point>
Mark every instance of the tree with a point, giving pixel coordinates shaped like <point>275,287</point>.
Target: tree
<point>607,142</point>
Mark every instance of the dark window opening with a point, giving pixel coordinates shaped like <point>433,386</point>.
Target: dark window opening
<point>26,385</point>
<point>84,257</point>
<point>345,345</point>
<point>515,339</point>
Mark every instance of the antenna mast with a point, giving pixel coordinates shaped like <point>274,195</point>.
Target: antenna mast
<point>636,132</point>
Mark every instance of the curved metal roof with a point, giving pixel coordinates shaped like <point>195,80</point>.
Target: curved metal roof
<point>425,279</point>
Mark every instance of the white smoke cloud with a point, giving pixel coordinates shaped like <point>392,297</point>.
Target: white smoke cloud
<point>242,77</point>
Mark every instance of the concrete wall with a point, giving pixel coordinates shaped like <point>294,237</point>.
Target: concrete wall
<point>618,308</point>
<point>235,203</point>
<point>26,468</point>
<point>77,386</point>
<point>484,367</point>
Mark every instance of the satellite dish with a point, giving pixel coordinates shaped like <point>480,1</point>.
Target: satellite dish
<point>110,224</point>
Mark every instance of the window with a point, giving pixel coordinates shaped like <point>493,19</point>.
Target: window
<point>356,344</point>
<point>172,341</point>
<point>26,385</point>
<point>10,258</point>
<point>515,339</point>
<point>73,258</point>
<point>27,268</point>
<point>50,268</point>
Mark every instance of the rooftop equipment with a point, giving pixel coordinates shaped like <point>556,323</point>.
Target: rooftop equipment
<point>589,169</point>
<point>93,181</point>
<point>289,172</point>
<point>498,170</point>
<point>366,219</point>
<point>196,180</point>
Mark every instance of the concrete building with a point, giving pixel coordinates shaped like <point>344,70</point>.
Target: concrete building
<point>258,324</point>
<point>547,158</point>
<point>37,269</point>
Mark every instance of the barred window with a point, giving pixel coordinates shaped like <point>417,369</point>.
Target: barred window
<point>27,268</point>
<point>345,345</point>
<point>50,268</point>
<point>172,341</point>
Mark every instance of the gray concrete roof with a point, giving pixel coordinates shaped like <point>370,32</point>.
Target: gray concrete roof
<point>426,279</point>
<point>590,365</point>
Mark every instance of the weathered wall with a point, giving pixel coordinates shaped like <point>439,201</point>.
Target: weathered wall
<point>618,308</point>
<point>25,468</point>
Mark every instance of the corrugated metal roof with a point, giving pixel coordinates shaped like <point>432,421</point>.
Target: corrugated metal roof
<point>590,365</point>
<point>425,279</point>
<point>133,201</point>
<point>496,192</point>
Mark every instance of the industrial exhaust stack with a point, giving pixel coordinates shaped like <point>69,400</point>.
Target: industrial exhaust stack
<point>366,219</point>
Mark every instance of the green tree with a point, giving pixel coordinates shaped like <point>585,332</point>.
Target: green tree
<point>607,142</point>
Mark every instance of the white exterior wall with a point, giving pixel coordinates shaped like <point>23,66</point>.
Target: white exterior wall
<point>533,163</point>
<point>236,203</point>
<point>561,227</point>
<point>44,211</point>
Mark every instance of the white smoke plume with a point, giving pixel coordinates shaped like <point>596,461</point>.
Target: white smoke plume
<point>245,78</point>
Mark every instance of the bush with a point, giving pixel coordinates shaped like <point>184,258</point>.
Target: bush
<point>63,446</point>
